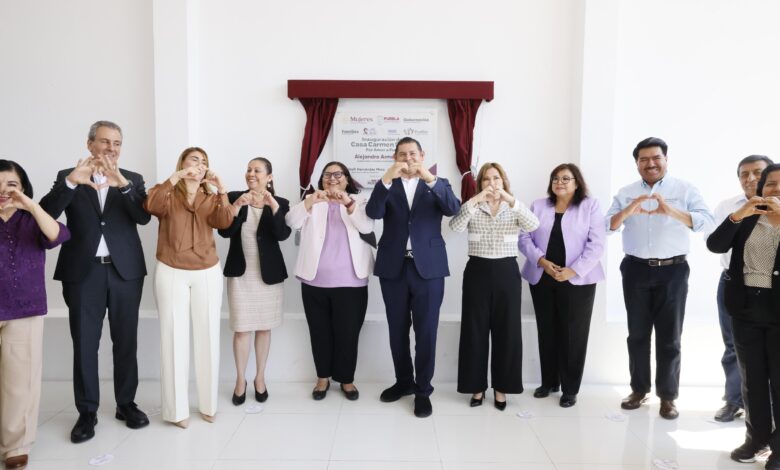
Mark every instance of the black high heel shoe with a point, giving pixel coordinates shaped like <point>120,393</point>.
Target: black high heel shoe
<point>238,400</point>
<point>544,391</point>
<point>476,401</point>
<point>500,405</point>
<point>262,397</point>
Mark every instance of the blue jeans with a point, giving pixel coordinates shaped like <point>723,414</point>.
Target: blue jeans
<point>733,393</point>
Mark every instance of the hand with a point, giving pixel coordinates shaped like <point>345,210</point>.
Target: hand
<point>663,208</point>
<point>772,204</point>
<point>425,175</point>
<point>315,198</point>
<point>82,174</point>
<point>749,208</point>
<point>549,267</point>
<point>246,199</point>
<point>110,170</point>
<point>480,196</point>
<point>211,177</point>
<point>339,196</point>
<point>17,200</point>
<point>194,173</point>
<point>636,206</point>
<point>504,196</point>
<point>564,274</point>
<point>396,170</point>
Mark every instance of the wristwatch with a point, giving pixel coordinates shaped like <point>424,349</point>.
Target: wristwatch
<point>126,189</point>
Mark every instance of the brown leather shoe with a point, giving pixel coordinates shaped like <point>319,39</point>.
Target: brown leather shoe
<point>668,410</point>
<point>17,462</point>
<point>633,401</point>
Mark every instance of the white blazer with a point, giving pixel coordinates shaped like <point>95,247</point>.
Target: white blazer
<point>313,226</point>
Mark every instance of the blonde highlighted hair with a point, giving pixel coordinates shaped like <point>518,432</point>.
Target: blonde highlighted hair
<point>501,173</point>
<point>181,186</point>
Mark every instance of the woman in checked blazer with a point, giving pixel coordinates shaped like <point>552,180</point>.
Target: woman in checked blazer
<point>491,288</point>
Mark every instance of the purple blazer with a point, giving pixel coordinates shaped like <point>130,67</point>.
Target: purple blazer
<point>583,236</point>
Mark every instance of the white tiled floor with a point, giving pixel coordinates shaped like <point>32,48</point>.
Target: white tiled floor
<point>293,432</point>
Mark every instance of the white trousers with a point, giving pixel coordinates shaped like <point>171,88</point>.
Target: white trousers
<point>184,295</point>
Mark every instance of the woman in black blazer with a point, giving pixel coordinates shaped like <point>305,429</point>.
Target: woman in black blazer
<point>255,270</point>
<point>752,297</point>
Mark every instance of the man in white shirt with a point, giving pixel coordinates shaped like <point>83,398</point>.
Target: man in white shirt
<point>749,172</point>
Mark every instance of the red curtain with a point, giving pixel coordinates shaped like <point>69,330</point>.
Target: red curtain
<point>319,119</point>
<point>463,113</point>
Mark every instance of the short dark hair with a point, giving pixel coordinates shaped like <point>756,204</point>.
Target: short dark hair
<point>764,175</point>
<point>351,186</point>
<point>752,159</point>
<point>407,140</point>
<point>582,188</point>
<point>10,165</point>
<point>650,142</point>
<point>269,170</point>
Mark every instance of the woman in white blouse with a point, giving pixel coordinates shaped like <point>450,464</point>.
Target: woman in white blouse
<point>491,288</point>
<point>334,265</point>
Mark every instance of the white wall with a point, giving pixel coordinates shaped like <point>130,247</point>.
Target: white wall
<point>574,81</point>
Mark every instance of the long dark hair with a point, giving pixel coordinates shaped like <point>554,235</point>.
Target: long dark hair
<point>582,189</point>
<point>351,186</point>
<point>10,165</point>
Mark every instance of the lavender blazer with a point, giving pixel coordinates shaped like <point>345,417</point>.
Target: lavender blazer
<point>583,236</point>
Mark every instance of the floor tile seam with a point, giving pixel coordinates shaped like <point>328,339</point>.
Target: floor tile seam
<point>539,441</point>
<point>335,433</point>
<point>232,436</point>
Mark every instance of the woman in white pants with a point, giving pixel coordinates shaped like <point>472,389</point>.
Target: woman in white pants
<point>188,282</point>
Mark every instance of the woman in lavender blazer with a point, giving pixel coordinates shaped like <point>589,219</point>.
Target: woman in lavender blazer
<point>563,265</point>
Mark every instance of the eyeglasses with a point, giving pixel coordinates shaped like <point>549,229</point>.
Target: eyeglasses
<point>335,175</point>
<point>564,180</point>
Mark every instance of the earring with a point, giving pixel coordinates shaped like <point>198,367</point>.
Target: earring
<point>268,184</point>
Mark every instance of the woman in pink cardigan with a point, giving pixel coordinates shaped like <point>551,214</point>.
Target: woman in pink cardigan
<point>563,265</point>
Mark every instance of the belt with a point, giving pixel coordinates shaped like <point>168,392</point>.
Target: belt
<point>655,262</point>
<point>103,259</point>
<point>408,254</point>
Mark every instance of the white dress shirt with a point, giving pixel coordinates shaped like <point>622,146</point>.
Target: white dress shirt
<point>98,178</point>
<point>410,187</point>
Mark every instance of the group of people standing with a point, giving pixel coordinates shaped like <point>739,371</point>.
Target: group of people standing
<point>101,267</point>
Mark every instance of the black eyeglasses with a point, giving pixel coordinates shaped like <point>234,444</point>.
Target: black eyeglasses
<point>335,175</point>
<point>564,179</point>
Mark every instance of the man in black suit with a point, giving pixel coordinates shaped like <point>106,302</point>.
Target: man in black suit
<point>101,268</point>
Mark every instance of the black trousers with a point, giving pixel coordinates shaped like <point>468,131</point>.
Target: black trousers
<point>87,302</point>
<point>491,314</point>
<point>758,354</point>
<point>563,313</point>
<point>335,316</point>
<point>655,300</point>
<point>411,300</point>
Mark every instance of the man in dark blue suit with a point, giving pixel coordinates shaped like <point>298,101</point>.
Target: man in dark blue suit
<point>411,264</point>
<point>101,268</point>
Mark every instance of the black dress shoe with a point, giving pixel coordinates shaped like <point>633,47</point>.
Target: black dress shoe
<point>262,397</point>
<point>728,413</point>
<point>746,453</point>
<point>476,401</point>
<point>320,394</point>
<point>500,405</point>
<point>132,416</point>
<point>567,401</point>
<point>350,395</point>
<point>544,391</point>
<point>239,399</point>
<point>422,406</point>
<point>395,392</point>
<point>84,429</point>
<point>772,463</point>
